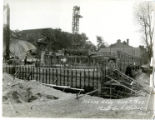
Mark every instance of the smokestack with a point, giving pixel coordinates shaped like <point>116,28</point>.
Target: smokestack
<point>118,41</point>
<point>6,32</point>
<point>127,41</point>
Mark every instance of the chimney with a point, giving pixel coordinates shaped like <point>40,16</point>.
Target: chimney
<point>127,41</point>
<point>118,41</point>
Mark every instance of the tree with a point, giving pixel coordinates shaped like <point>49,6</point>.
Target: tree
<point>79,40</point>
<point>100,43</point>
<point>53,39</point>
<point>90,46</point>
<point>144,18</point>
<point>83,39</point>
<point>15,34</point>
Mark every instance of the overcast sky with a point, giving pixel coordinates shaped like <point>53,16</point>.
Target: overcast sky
<point>111,19</point>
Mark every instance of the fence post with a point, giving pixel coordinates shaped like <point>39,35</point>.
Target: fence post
<point>33,73</point>
<point>46,76</point>
<point>36,73</point>
<point>68,82</point>
<point>49,78</point>
<point>30,73</point>
<point>76,78</point>
<point>42,80</point>
<point>52,77</point>
<point>84,76</point>
<point>64,77</point>
<point>19,74</point>
<point>93,78</point>
<point>22,73</point>
<point>80,79</point>
<point>39,74</point>
<point>9,69</point>
<point>72,78</point>
<point>60,75</point>
<point>26,74</point>
<point>56,77</point>
<point>88,77</point>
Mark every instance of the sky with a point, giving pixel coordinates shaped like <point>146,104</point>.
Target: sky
<point>110,19</point>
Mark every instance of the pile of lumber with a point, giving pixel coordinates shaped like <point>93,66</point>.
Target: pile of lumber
<point>120,85</point>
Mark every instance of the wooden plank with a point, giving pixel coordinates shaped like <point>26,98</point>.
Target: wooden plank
<point>16,73</point>
<point>88,93</point>
<point>122,84</point>
<point>65,87</point>
<point>122,74</point>
<point>132,80</point>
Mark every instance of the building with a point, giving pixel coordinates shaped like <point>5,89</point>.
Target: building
<point>123,47</point>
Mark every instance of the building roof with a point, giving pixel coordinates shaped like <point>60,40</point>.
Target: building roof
<point>121,46</point>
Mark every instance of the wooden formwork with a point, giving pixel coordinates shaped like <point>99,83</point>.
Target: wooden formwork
<point>88,78</point>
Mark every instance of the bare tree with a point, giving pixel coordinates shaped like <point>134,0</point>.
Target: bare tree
<point>144,18</point>
<point>100,43</point>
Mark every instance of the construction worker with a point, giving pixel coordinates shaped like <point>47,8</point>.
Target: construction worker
<point>129,70</point>
<point>111,66</point>
<point>25,60</point>
<point>64,60</point>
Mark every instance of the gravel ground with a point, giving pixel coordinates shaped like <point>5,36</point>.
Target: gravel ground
<point>32,99</point>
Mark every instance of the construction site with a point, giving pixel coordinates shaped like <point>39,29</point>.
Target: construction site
<point>74,82</point>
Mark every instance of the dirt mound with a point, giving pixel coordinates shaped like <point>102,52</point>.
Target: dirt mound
<point>19,47</point>
<point>19,91</point>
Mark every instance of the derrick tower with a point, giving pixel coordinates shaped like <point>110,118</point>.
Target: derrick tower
<point>75,21</point>
<point>75,24</point>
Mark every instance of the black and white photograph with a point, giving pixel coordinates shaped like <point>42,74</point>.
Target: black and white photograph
<point>78,59</point>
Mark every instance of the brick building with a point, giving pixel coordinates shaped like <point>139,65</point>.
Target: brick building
<point>123,47</point>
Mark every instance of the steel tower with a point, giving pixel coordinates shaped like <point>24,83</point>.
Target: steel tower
<point>75,20</point>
